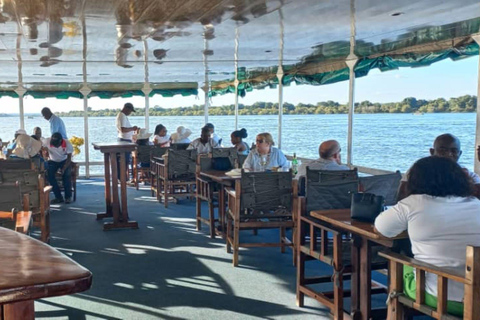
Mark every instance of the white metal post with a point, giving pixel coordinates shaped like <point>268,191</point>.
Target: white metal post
<point>146,86</point>
<point>20,89</point>
<point>236,82</point>
<point>351,62</point>
<point>280,81</point>
<point>205,64</point>
<point>477,126</point>
<point>85,91</point>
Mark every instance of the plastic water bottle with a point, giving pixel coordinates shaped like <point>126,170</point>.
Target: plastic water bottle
<point>295,163</point>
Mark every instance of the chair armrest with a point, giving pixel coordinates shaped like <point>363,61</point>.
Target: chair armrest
<point>230,191</point>
<point>24,219</point>
<point>427,267</point>
<point>47,189</point>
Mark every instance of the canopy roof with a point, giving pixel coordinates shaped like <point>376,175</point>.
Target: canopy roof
<point>177,46</point>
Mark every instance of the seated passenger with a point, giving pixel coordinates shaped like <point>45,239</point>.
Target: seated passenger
<point>181,136</point>
<point>448,146</point>
<point>441,217</point>
<point>161,138</point>
<point>236,138</point>
<point>265,155</point>
<point>330,159</point>
<point>13,143</point>
<point>60,152</point>
<point>213,135</point>
<point>26,147</point>
<point>204,144</point>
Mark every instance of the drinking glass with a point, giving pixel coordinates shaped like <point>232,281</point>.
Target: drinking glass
<point>263,162</point>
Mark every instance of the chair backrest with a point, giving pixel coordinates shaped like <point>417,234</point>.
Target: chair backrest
<point>179,146</point>
<point>241,159</point>
<point>224,158</point>
<point>15,163</point>
<point>181,164</point>
<point>385,185</point>
<point>327,189</point>
<point>143,153</point>
<point>10,199</point>
<point>27,180</point>
<point>157,151</point>
<point>266,194</point>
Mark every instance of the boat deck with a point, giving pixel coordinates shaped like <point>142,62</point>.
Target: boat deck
<point>168,270</point>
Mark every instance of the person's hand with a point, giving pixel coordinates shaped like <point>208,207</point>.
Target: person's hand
<point>135,128</point>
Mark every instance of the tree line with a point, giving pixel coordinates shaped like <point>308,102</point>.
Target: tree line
<point>465,103</point>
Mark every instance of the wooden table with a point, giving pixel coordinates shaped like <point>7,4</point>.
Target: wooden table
<point>363,235</point>
<point>225,181</point>
<point>120,214</point>
<point>31,270</point>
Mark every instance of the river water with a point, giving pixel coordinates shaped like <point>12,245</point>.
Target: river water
<point>384,141</point>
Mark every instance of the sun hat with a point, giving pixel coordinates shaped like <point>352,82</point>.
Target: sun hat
<point>26,147</point>
<point>182,133</point>
<point>143,134</point>
<point>20,131</point>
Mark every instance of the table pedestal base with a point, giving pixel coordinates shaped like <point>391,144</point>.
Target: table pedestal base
<point>120,225</point>
<point>100,216</point>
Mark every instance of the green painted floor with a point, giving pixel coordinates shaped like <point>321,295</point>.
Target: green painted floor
<point>166,269</point>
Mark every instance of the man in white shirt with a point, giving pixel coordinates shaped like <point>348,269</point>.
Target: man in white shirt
<point>125,130</point>
<point>60,157</point>
<point>330,159</point>
<point>447,146</point>
<point>204,144</point>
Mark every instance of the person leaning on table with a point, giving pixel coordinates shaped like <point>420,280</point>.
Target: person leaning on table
<point>442,218</point>
<point>264,148</point>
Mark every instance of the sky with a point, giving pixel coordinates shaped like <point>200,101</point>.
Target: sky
<point>443,79</point>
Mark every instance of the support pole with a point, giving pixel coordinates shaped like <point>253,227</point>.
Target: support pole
<point>351,62</point>
<point>146,86</point>
<point>20,89</point>
<point>85,91</point>
<point>236,82</point>
<point>477,125</point>
<point>280,81</point>
<point>205,64</point>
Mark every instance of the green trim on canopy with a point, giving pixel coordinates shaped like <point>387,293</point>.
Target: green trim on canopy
<point>362,68</point>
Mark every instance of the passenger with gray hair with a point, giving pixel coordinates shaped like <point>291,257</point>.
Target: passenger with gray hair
<point>330,159</point>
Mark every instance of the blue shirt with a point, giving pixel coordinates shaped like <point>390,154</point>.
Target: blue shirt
<point>275,158</point>
<point>57,125</point>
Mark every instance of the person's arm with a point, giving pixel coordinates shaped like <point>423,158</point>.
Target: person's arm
<point>67,163</point>
<point>248,164</point>
<point>126,129</point>
<point>393,221</point>
<point>124,125</point>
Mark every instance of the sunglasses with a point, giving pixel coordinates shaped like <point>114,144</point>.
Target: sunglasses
<point>260,141</point>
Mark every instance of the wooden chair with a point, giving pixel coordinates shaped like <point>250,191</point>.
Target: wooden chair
<point>385,185</point>
<point>74,173</point>
<point>156,154</point>
<point>207,190</point>
<point>35,196</point>
<point>15,220</point>
<point>179,146</point>
<point>176,174</point>
<point>139,156</point>
<point>16,163</point>
<point>399,305</point>
<point>260,200</point>
<point>325,190</point>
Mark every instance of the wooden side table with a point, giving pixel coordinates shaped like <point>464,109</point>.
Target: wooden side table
<point>116,206</point>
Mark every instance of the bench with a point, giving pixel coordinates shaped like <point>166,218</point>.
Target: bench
<point>399,305</point>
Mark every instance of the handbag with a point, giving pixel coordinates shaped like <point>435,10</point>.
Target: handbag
<point>366,206</point>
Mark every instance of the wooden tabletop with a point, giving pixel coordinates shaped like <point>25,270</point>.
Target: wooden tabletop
<point>341,218</point>
<point>114,146</point>
<point>31,269</point>
<point>219,176</point>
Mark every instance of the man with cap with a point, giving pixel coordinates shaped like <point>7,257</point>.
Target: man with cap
<point>60,157</point>
<point>56,124</point>
<point>213,135</point>
<point>125,129</point>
